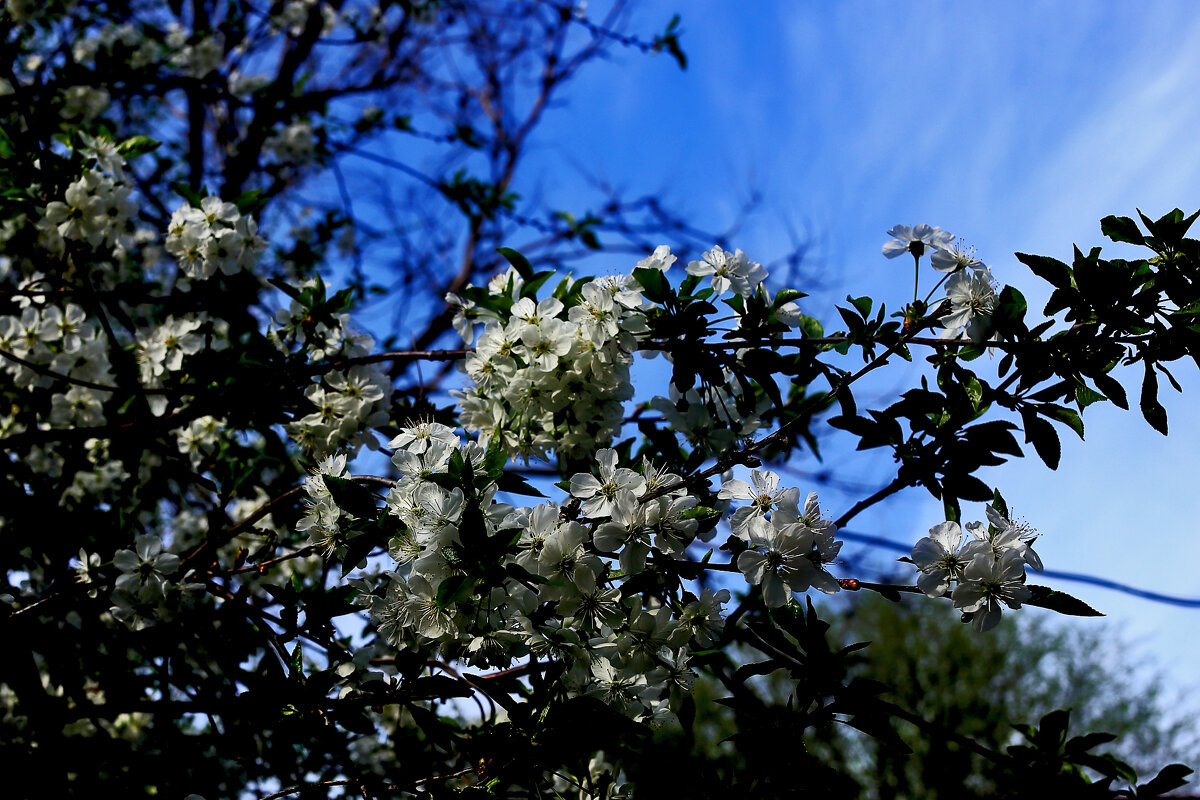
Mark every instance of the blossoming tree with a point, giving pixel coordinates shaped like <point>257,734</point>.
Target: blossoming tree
<point>202,594</point>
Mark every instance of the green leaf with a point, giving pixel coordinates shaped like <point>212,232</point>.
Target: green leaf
<point>811,327</point>
<point>495,458</point>
<point>1152,410</point>
<point>1168,779</point>
<point>357,550</point>
<point>137,145</point>
<point>863,304</point>
<point>1064,415</point>
<point>1011,305</point>
<point>250,201</point>
<point>431,687</point>
<point>1063,603</point>
<point>187,193</point>
<point>513,483</point>
<point>1112,389</point>
<point>786,296</point>
<point>999,504</point>
<point>7,148</point>
<point>296,662</point>
<point>1044,438</point>
<point>974,390</point>
<point>1085,396</point>
<point>531,287</point>
<point>1052,270</point>
<point>1170,227</point>
<point>654,284</point>
<point>737,303</point>
<point>519,262</point>
<point>352,497</point>
<point>452,589</point>
<point>1121,229</point>
<point>699,512</point>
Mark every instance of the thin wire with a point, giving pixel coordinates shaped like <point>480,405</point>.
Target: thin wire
<point>1157,597</point>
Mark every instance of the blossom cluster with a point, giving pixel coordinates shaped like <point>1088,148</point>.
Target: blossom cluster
<point>787,548</point>
<point>95,209</point>
<point>551,374</point>
<point>554,591</point>
<point>989,569</point>
<point>62,340</point>
<point>970,286</point>
<point>215,236</point>
<point>729,271</point>
<point>161,350</point>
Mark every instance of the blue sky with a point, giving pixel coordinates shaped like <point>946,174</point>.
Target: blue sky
<point>1016,126</point>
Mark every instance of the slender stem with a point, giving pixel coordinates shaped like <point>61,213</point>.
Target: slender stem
<point>940,732</point>
<point>935,288</point>
<point>397,356</point>
<point>854,585</point>
<point>896,485</point>
<point>49,373</point>
<point>305,787</point>
<point>817,341</point>
<point>262,565</point>
<point>916,276</point>
<point>709,565</point>
<point>228,534</point>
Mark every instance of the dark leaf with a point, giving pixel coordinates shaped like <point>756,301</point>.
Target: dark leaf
<point>654,284</point>
<point>1081,744</point>
<point>1064,415</point>
<point>1121,229</point>
<point>1168,779</point>
<point>187,193</point>
<point>1112,389</point>
<point>1052,270</point>
<point>513,483</point>
<point>863,304</point>
<point>352,497</point>
<point>357,550</point>
<point>759,668</point>
<point>430,687</point>
<point>1152,410</point>
<point>1063,603</point>
<point>1044,438</point>
<point>966,487</point>
<point>452,589</point>
<point>355,721</point>
<point>519,262</point>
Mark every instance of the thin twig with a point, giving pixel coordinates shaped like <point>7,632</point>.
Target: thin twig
<point>896,485</point>
<point>745,454</point>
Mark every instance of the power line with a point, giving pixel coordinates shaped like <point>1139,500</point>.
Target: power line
<point>1145,594</point>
